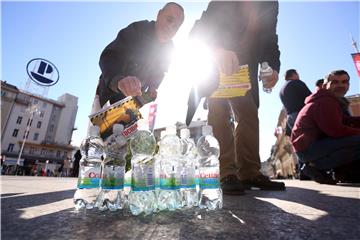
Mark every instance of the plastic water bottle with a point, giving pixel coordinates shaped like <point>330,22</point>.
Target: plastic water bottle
<point>265,73</point>
<point>142,198</point>
<point>209,172</point>
<point>112,185</point>
<point>170,152</point>
<point>157,161</point>
<point>189,194</point>
<point>88,187</point>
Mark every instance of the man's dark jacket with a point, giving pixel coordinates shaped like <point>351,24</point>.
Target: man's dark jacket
<point>136,51</point>
<point>247,28</point>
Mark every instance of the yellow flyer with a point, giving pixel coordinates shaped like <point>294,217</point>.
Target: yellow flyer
<point>234,85</point>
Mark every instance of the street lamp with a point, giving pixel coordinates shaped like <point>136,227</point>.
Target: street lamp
<point>32,109</point>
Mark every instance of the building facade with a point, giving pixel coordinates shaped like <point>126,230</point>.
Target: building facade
<point>42,127</point>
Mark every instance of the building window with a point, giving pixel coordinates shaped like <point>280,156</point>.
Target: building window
<point>32,150</point>
<point>29,122</point>
<point>51,128</point>
<point>3,93</point>
<point>10,147</point>
<point>19,119</point>
<point>36,136</point>
<point>58,154</point>
<point>44,104</point>
<point>42,113</point>
<point>38,124</point>
<point>43,151</point>
<point>15,132</point>
<point>26,135</point>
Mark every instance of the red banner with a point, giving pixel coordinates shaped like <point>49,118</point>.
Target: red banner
<point>356,58</point>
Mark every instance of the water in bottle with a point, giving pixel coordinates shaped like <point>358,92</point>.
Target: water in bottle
<point>88,186</point>
<point>188,190</point>
<point>209,172</point>
<point>142,198</point>
<point>265,73</point>
<point>169,196</point>
<point>112,185</point>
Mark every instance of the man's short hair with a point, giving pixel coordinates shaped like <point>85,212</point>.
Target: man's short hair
<point>335,73</point>
<point>289,73</point>
<point>173,3</point>
<point>319,82</point>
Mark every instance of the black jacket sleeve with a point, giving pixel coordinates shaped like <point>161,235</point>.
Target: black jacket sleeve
<point>115,60</point>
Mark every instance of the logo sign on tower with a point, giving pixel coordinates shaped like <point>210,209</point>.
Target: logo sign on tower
<point>42,72</point>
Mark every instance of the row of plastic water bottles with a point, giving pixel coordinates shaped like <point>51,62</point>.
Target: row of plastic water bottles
<point>181,175</point>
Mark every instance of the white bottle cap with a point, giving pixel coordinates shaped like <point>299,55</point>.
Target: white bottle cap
<point>206,130</point>
<point>94,131</point>
<point>264,65</point>
<point>185,133</point>
<point>118,128</point>
<point>142,124</point>
<point>162,134</point>
<point>170,130</point>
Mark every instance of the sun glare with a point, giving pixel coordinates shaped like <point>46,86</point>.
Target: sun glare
<point>191,62</point>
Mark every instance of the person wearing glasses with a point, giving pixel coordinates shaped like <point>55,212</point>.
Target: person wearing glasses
<point>324,137</point>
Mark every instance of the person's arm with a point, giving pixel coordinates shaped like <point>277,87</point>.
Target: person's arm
<point>329,118</point>
<point>268,39</point>
<point>302,91</point>
<point>116,59</point>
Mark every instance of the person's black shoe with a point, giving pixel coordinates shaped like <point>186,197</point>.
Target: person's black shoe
<point>231,185</point>
<point>317,175</point>
<point>264,183</point>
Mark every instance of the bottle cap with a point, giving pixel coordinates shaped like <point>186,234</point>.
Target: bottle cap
<point>142,124</point>
<point>206,130</point>
<point>94,131</point>
<point>185,133</point>
<point>162,134</point>
<point>170,130</point>
<point>264,65</point>
<point>118,128</point>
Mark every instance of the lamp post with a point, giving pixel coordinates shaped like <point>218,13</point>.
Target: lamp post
<point>32,109</point>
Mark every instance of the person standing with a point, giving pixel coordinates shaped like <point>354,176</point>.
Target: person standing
<point>292,96</point>
<point>240,33</point>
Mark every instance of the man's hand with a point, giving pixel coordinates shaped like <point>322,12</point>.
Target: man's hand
<point>227,61</point>
<point>152,92</point>
<point>271,80</point>
<point>130,86</point>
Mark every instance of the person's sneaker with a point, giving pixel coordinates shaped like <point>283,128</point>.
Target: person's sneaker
<point>318,176</point>
<point>263,183</point>
<point>231,185</point>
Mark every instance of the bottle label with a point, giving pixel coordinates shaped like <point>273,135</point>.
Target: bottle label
<point>187,178</point>
<point>89,177</point>
<point>209,180</point>
<point>113,177</point>
<point>142,178</point>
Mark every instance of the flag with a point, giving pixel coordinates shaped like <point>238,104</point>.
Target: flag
<point>356,58</point>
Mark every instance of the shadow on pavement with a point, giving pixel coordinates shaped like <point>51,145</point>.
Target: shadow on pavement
<point>293,214</point>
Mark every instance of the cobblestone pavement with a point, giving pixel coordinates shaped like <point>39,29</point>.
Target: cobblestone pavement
<point>42,208</point>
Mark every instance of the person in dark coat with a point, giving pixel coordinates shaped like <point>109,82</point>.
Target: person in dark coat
<point>292,96</point>
<point>240,33</point>
<point>135,62</point>
<point>75,170</point>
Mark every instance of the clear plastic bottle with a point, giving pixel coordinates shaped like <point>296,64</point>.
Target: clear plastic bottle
<point>169,196</point>
<point>142,198</point>
<point>209,171</point>
<point>88,187</point>
<point>112,184</point>
<point>265,73</point>
<point>188,190</point>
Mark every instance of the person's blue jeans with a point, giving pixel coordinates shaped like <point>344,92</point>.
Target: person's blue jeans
<point>330,153</point>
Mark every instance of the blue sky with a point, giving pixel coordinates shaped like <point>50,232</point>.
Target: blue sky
<point>314,38</point>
